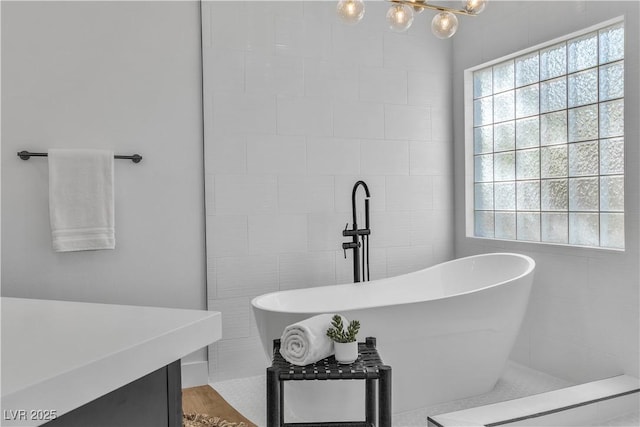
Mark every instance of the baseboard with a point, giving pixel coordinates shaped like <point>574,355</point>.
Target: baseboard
<point>194,374</point>
<point>583,404</point>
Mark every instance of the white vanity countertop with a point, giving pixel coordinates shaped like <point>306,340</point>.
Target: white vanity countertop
<point>59,355</point>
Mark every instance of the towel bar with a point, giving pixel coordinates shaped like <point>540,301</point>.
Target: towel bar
<point>25,155</point>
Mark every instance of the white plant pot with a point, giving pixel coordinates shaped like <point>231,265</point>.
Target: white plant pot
<point>346,352</point>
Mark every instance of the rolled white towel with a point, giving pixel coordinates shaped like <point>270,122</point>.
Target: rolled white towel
<point>306,341</point>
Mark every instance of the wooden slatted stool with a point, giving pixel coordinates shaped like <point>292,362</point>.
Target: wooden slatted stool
<point>367,367</point>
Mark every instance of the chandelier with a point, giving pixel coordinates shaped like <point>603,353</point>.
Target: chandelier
<point>401,13</point>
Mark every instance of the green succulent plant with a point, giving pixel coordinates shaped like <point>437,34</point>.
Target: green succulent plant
<point>338,333</point>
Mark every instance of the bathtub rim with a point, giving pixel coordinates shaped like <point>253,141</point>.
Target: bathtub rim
<point>531,264</point>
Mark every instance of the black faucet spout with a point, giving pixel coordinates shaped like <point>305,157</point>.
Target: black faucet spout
<point>353,203</point>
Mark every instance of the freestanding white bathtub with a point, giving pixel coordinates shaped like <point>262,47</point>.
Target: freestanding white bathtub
<point>446,331</point>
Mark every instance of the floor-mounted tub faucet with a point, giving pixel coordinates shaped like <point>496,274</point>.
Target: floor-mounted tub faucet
<point>358,233</point>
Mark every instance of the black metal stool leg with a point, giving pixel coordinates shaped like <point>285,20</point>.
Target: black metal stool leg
<point>281,390</point>
<point>384,398</point>
<point>273,398</point>
<point>370,402</point>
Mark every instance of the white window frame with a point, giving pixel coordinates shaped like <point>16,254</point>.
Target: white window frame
<point>469,134</point>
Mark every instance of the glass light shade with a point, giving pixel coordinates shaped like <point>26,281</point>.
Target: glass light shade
<point>350,11</point>
<point>399,17</point>
<point>444,25</point>
<point>475,6</point>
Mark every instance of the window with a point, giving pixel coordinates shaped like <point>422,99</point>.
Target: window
<point>547,142</point>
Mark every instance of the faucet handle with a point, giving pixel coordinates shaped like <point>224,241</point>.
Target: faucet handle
<point>346,246</point>
<point>349,245</point>
<point>347,232</point>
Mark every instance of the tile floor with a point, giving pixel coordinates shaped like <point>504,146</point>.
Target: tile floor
<point>247,396</point>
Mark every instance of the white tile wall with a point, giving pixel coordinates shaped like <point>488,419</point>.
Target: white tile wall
<point>353,45</point>
<point>442,191</point>
<point>407,122</point>
<point>426,158</point>
<point>236,358</point>
<point>386,157</point>
<point>400,52</point>
<point>383,85</point>
<point>231,77</point>
<point>227,154</point>
<point>244,194</point>
<point>276,155</point>
<point>441,124</point>
<point>377,265</point>
<point>224,35</point>
<point>304,115</point>
<point>306,194</point>
<point>260,29</point>
<point>209,188</point>
<point>358,119</point>
<point>298,107</point>
<point>306,269</point>
<point>227,235</point>
<point>441,230</point>
<point>409,193</point>
<point>333,156</point>
<point>325,230</point>
<point>404,260</point>
<point>245,276</point>
<point>274,74</point>
<point>252,112</point>
<point>270,234</point>
<point>392,228</point>
<point>422,228</point>
<point>330,79</point>
<point>427,88</point>
<point>237,319</point>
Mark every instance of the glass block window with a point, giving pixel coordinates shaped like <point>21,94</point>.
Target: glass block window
<point>548,143</point>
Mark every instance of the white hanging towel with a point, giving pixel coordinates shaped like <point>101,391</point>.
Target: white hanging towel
<point>81,199</point>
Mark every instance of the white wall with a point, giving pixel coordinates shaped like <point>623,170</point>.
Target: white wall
<point>118,75</point>
<point>583,318</point>
<point>298,107</point>
<point>0,159</point>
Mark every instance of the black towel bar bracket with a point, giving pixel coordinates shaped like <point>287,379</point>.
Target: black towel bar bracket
<point>25,155</point>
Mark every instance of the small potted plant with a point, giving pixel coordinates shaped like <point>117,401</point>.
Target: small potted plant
<point>345,344</point>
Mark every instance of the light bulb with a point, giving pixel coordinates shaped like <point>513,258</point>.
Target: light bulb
<point>350,11</point>
<point>399,17</point>
<point>417,8</point>
<point>444,25</point>
<point>474,6</point>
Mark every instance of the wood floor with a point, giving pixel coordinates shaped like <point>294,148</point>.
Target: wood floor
<point>205,400</point>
